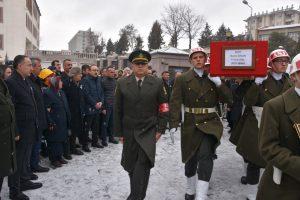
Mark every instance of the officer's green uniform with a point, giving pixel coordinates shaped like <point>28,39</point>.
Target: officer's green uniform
<point>202,128</point>
<point>7,133</point>
<point>247,128</point>
<point>138,114</point>
<point>279,145</point>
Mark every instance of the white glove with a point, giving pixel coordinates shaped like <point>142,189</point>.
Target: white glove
<point>259,80</point>
<point>173,130</point>
<point>217,80</point>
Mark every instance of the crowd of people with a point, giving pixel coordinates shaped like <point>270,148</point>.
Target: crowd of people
<point>52,112</point>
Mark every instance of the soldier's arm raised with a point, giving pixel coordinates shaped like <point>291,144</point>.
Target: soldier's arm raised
<point>269,145</point>
<point>175,103</point>
<point>118,112</point>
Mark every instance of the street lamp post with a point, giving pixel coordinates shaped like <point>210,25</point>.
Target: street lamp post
<point>247,4</point>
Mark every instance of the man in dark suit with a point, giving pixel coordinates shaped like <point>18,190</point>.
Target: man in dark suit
<point>140,117</point>
<point>37,88</point>
<point>22,95</point>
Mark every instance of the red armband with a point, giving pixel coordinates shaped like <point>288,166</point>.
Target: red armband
<point>164,107</point>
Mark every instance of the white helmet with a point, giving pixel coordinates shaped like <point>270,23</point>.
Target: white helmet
<point>295,67</point>
<point>195,50</point>
<point>278,53</point>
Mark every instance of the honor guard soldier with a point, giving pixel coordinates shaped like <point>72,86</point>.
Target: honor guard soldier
<point>262,90</point>
<point>140,117</point>
<point>196,95</point>
<point>279,143</point>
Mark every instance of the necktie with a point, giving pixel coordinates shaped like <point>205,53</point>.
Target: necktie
<point>139,84</point>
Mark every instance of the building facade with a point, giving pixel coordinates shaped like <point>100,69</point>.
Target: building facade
<point>83,41</point>
<point>285,20</point>
<point>19,27</point>
<point>78,59</point>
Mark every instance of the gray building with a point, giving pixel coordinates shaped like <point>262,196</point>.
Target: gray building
<point>285,20</point>
<point>84,41</point>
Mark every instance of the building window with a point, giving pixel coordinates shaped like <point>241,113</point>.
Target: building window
<point>29,5</point>
<point>294,35</point>
<point>263,37</point>
<point>28,23</point>
<point>35,11</point>
<point>1,14</point>
<point>1,42</point>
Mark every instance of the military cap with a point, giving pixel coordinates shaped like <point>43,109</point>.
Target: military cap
<point>139,56</point>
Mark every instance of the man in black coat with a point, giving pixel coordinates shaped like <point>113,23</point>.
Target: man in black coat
<point>109,86</point>
<point>37,88</point>
<point>22,95</point>
<point>94,98</point>
<point>7,134</point>
<point>67,65</point>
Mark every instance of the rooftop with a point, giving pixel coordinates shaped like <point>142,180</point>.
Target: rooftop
<point>279,27</point>
<point>169,50</point>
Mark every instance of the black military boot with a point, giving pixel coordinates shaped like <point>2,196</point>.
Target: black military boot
<point>29,185</point>
<point>18,196</point>
<point>85,148</point>
<point>189,197</point>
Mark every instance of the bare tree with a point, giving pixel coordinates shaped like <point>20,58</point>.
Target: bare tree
<point>131,32</point>
<point>192,23</point>
<point>172,22</point>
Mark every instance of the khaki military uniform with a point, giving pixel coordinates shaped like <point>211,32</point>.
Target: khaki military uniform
<point>7,132</point>
<point>137,118</point>
<point>196,93</point>
<point>279,145</point>
<point>247,128</point>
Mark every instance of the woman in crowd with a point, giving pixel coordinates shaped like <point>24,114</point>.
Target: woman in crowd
<point>5,71</point>
<point>73,91</point>
<point>58,116</point>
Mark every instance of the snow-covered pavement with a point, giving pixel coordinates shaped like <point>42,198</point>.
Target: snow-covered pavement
<point>98,175</point>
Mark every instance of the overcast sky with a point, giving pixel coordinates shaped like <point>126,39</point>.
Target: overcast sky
<point>61,19</point>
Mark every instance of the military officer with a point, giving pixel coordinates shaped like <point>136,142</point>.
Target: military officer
<point>7,135</point>
<point>261,91</point>
<point>196,95</point>
<point>140,117</point>
<point>279,143</point>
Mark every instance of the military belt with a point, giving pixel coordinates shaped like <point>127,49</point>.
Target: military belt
<point>200,110</point>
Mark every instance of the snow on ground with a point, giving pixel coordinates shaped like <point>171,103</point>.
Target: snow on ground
<point>99,175</point>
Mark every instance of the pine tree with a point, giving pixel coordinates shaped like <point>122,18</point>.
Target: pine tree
<point>122,44</point>
<point>110,47</point>
<point>155,39</point>
<point>206,36</point>
<point>139,43</point>
<point>221,33</point>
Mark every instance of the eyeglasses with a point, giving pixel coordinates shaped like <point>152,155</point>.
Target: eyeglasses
<point>282,61</point>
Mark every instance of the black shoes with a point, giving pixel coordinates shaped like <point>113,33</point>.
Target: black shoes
<point>68,157</point>
<point>86,148</point>
<point>104,143</point>
<point>244,180</point>
<point>56,164</point>
<point>20,196</point>
<point>97,145</point>
<point>189,197</point>
<point>113,140</point>
<point>29,185</point>
<point>40,169</point>
<point>33,177</point>
<point>63,161</point>
<point>76,152</point>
